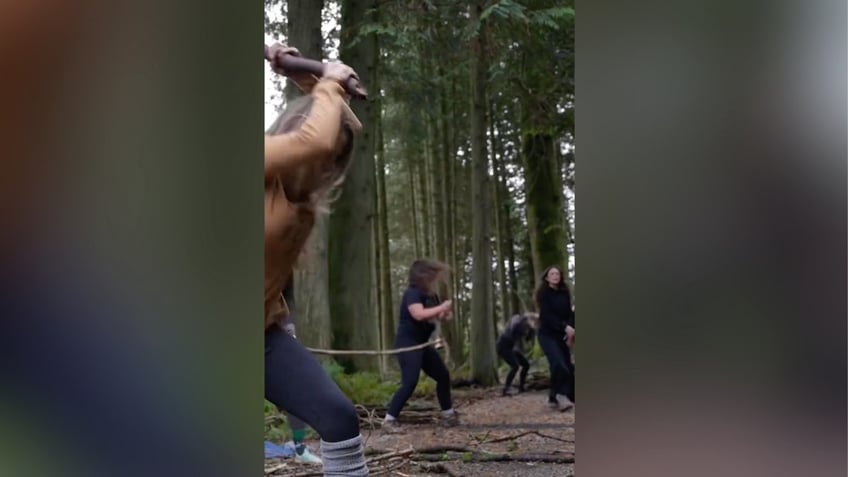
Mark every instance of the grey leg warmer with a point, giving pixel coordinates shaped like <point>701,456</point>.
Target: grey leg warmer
<point>344,459</point>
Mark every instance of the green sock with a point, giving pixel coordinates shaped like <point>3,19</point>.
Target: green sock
<point>298,435</point>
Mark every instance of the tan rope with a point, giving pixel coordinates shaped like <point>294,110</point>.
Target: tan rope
<point>374,352</point>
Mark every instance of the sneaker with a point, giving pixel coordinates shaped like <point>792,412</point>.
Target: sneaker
<point>450,421</point>
<point>553,403</point>
<point>506,393</point>
<point>567,405</point>
<point>391,426</point>
<point>307,457</point>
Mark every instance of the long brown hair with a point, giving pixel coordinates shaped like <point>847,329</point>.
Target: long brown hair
<point>426,274</point>
<point>331,176</point>
<point>543,285</point>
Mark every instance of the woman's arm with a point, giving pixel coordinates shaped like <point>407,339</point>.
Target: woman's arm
<point>420,313</point>
<point>317,136</point>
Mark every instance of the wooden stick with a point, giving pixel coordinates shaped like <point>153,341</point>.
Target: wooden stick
<point>486,457</point>
<point>271,470</point>
<point>388,468</point>
<point>442,449</point>
<point>522,434</point>
<point>401,453</point>
<point>435,468</point>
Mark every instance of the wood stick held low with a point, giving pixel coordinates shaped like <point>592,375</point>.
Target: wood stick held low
<point>305,65</point>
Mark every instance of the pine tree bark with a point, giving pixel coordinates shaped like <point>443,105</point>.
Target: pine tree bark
<point>410,175</point>
<point>543,188</point>
<point>424,213</point>
<point>499,217</point>
<point>351,269</point>
<point>483,362</point>
<point>508,242</point>
<point>387,325</point>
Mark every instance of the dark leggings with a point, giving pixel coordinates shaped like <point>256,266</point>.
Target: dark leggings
<point>411,365</point>
<point>515,359</point>
<point>296,382</point>
<point>562,370</point>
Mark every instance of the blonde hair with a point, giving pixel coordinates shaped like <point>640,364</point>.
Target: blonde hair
<point>296,113</point>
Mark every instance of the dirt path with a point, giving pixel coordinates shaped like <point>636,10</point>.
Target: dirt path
<point>492,427</point>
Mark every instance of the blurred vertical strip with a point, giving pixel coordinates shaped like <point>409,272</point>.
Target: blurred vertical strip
<point>713,228</point>
<point>130,233</point>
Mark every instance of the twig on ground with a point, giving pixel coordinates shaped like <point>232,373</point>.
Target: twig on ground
<point>390,455</point>
<point>442,449</point>
<point>271,470</point>
<point>309,473</point>
<point>490,457</point>
<point>391,467</point>
<point>522,434</point>
<point>435,468</point>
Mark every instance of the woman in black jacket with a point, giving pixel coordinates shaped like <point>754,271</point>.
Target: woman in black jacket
<point>556,330</point>
<point>519,329</point>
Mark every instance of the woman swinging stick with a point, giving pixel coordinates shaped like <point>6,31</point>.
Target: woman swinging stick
<point>307,152</point>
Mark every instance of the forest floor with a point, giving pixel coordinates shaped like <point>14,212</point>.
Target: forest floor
<point>497,436</point>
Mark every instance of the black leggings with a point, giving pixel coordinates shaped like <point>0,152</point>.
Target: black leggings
<point>411,365</point>
<point>562,370</point>
<point>515,359</point>
<point>296,382</point>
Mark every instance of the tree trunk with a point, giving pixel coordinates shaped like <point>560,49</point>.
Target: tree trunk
<point>423,202</point>
<point>378,257</point>
<point>351,277</point>
<point>414,208</point>
<point>450,329</point>
<point>530,271</point>
<point>387,328</point>
<point>311,278</point>
<point>483,361</point>
<point>499,217</point>
<point>304,32</point>
<point>437,181</point>
<point>543,190</point>
<point>509,244</point>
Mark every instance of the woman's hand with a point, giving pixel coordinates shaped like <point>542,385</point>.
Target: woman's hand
<point>338,72</point>
<point>304,81</point>
<point>569,335</point>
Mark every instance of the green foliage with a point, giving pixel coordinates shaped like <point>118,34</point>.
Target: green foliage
<point>506,9</point>
<point>361,387</point>
<point>536,351</point>
<point>371,389</point>
<point>426,387</point>
<point>552,18</point>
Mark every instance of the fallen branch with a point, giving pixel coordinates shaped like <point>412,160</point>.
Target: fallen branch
<point>275,468</point>
<point>435,468</point>
<point>309,473</point>
<point>391,455</point>
<point>522,434</point>
<point>490,457</point>
<point>388,468</point>
<point>441,449</point>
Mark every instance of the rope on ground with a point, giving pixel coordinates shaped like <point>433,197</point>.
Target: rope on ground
<point>434,342</point>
